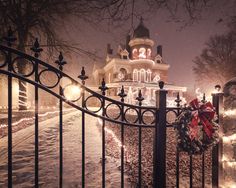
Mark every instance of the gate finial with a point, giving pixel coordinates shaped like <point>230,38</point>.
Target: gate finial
<point>103,87</point>
<point>140,97</point>
<point>36,48</point>
<point>178,100</point>
<point>61,62</point>
<point>203,98</point>
<point>122,93</point>
<point>161,84</point>
<point>83,76</point>
<point>217,88</point>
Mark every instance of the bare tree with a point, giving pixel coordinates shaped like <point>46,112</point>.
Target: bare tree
<point>217,62</point>
<point>30,18</point>
<point>34,18</point>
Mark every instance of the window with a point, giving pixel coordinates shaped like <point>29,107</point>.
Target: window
<point>149,75</point>
<point>149,53</point>
<point>142,75</point>
<point>142,53</point>
<point>122,75</point>
<point>135,75</point>
<point>135,53</point>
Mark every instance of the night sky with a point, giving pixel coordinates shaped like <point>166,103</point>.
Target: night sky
<point>180,44</point>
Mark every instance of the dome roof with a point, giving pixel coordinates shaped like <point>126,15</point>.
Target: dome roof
<point>141,31</point>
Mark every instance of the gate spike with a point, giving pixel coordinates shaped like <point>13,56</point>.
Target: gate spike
<point>60,57</point>
<point>83,76</point>
<point>178,100</point>
<point>140,97</point>
<point>103,87</point>
<point>36,48</point>
<point>122,93</point>
<point>203,98</point>
<point>60,60</point>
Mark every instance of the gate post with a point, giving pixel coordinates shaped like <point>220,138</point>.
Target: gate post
<point>217,101</point>
<point>159,149</point>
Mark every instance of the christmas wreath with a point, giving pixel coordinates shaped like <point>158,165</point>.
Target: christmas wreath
<point>196,128</point>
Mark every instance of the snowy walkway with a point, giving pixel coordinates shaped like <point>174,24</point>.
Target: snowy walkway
<point>23,155</point>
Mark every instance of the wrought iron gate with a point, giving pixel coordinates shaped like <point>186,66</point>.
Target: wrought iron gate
<point>160,124</point>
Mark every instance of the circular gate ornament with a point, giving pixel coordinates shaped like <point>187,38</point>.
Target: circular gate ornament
<point>196,128</point>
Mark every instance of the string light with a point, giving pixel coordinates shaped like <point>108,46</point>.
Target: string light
<point>229,139</point>
<point>23,94</point>
<point>230,113</point>
<point>114,137</point>
<point>172,103</point>
<point>231,164</point>
<point>229,185</point>
<point>32,118</point>
<point>225,159</point>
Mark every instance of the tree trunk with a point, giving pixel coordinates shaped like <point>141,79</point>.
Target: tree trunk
<point>21,64</point>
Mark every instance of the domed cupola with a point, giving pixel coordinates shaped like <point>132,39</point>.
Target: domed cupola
<point>141,31</point>
<point>141,44</point>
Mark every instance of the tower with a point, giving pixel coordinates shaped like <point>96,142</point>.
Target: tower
<point>141,44</point>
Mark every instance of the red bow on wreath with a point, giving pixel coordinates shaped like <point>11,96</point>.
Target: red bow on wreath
<point>203,114</point>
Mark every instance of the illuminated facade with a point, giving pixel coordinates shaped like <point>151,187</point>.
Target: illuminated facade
<point>136,66</point>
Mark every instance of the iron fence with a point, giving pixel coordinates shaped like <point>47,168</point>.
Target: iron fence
<point>160,124</point>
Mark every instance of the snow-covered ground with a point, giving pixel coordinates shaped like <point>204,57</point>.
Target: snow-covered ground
<point>23,155</point>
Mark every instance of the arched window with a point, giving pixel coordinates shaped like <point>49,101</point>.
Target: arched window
<point>122,75</point>
<point>149,75</point>
<point>135,75</point>
<point>142,75</point>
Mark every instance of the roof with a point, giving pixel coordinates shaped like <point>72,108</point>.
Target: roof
<point>141,31</point>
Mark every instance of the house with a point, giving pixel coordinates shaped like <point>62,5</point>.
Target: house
<point>136,67</point>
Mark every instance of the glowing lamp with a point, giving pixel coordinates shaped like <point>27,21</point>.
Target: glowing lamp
<point>72,92</point>
<point>217,88</point>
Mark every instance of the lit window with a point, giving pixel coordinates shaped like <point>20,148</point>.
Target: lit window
<point>135,53</point>
<point>142,75</point>
<point>122,74</point>
<point>149,75</point>
<point>142,53</point>
<point>135,75</point>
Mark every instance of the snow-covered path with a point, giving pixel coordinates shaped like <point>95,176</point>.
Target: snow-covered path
<point>23,155</point>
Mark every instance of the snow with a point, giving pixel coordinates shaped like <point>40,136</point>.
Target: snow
<point>23,155</point>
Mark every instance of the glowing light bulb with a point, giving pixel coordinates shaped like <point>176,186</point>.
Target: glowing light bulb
<point>72,92</point>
